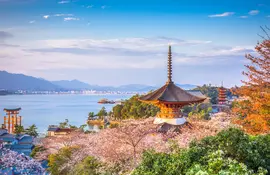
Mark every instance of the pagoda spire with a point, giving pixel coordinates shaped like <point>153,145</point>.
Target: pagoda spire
<point>170,65</point>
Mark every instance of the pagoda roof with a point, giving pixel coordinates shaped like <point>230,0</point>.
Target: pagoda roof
<point>173,94</point>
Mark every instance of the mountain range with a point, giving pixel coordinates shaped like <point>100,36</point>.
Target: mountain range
<point>9,81</point>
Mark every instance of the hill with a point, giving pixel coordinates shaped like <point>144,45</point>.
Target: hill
<point>11,81</point>
<point>73,84</point>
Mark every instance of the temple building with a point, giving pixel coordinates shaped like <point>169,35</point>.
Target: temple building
<point>170,99</point>
<point>222,97</point>
<point>12,119</point>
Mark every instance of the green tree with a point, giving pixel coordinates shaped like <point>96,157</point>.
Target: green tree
<point>133,108</point>
<point>210,91</point>
<point>18,129</point>
<point>83,126</point>
<point>36,150</point>
<point>89,165</point>
<point>229,152</point>
<point>117,112</point>
<point>32,131</point>
<point>102,113</point>
<point>58,160</point>
<point>91,115</point>
<point>64,124</point>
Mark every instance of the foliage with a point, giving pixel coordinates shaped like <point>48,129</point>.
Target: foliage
<point>133,108</point>
<point>199,111</point>
<point>82,127</point>
<point>231,151</point>
<point>217,164</point>
<point>114,125</point>
<point>36,150</point>
<point>89,165</point>
<point>91,115</point>
<point>18,129</point>
<point>210,91</point>
<point>254,111</point>
<point>102,113</point>
<point>19,163</point>
<point>118,146</point>
<point>64,124</point>
<point>32,131</point>
<point>57,160</point>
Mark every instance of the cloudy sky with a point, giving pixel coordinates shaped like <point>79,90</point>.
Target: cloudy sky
<point>115,42</point>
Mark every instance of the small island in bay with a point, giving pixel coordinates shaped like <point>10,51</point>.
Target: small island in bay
<point>106,101</point>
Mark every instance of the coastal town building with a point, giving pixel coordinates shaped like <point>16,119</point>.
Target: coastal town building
<point>12,119</point>
<point>170,98</point>
<point>54,130</point>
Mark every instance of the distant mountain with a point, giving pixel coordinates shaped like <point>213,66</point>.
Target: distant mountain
<point>135,87</point>
<point>73,84</point>
<point>10,81</point>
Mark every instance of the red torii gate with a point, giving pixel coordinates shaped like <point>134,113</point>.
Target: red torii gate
<point>12,119</point>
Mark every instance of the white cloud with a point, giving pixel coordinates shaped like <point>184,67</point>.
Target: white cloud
<point>222,15</point>
<point>63,2</point>
<point>254,12</point>
<point>62,14</point>
<point>243,17</point>
<point>31,22</point>
<point>90,6</point>
<point>126,43</point>
<point>71,19</point>
<point>121,53</point>
<point>104,6</point>
<point>268,16</point>
<point>46,16</point>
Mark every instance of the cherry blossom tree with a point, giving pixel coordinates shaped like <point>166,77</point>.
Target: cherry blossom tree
<point>19,163</point>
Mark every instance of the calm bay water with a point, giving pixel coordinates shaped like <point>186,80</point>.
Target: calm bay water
<point>45,110</point>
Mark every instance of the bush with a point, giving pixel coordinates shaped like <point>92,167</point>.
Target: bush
<point>217,163</point>
<point>231,151</point>
<point>58,160</point>
<point>89,165</point>
<point>114,125</point>
<point>36,150</point>
<point>133,108</point>
<point>200,111</point>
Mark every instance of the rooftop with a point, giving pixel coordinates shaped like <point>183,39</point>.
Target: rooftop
<point>171,93</point>
<point>13,109</point>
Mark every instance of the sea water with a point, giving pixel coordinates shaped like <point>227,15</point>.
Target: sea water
<point>45,110</point>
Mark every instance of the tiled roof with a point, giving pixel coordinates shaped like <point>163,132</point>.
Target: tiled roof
<point>64,130</point>
<point>8,137</point>
<point>21,146</point>
<point>53,129</point>
<point>172,93</point>
<point>3,131</point>
<point>26,139</point>
<point>196,93</point>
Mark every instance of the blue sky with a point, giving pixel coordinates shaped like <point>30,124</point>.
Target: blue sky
<point>115,42</point>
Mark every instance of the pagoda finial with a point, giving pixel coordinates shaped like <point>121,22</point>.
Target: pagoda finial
<point>169,65</point>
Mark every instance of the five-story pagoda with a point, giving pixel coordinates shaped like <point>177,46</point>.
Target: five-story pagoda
<point>170,99</point>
